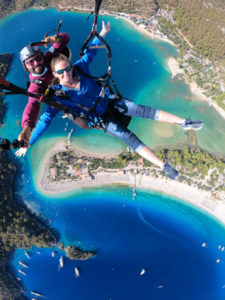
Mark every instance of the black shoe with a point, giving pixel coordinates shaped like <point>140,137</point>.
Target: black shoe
<point>170,171</point>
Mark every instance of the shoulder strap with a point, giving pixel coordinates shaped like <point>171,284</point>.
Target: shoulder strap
<point>39,82</point>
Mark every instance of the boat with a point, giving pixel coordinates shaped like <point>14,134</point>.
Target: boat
<point>61,262</point>
<point>27,255</point>
<point>23,264</point>
<point>142,272</point>
<point>77,273</point>
<point>36,293</point>
<point>22,272</point>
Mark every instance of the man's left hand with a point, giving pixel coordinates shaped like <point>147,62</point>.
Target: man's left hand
<point>52,39</point>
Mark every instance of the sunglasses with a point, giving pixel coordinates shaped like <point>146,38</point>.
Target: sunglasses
<point>67,69</point>
<point>37,58</point>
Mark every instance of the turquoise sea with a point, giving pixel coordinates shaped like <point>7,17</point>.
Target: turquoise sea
<point>157,233</point>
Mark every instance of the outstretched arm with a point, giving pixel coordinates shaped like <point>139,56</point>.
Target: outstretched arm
<point>42,125</point>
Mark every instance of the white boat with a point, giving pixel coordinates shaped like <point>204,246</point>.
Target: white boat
<point>142,272</point>
<point>22,272</point>
<point>27,255</point>
<point>23,264</point>
<point>36,294</point>
<point>77,273</point>
<point>61,262</point>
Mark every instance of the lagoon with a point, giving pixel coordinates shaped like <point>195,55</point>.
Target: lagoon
<point>155,232</point>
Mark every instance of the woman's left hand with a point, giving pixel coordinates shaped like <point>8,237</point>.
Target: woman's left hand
<point>105,28</point>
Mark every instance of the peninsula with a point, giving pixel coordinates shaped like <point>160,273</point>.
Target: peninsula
<point>201,180</point>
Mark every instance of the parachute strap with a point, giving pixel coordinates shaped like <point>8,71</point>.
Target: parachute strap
<point>95,34</point>
<point>6,85</point>
<point>41,43</point>
<point>46,97</point>
<point>105,45</point>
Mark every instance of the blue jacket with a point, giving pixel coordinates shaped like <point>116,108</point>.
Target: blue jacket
<point>85,97</point>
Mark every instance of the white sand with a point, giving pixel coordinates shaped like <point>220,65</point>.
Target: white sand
<point>163,185</point>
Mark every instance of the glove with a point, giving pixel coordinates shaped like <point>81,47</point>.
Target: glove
<point>21,152</point>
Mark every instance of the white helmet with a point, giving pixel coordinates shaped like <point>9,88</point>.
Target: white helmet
<point>28,51</point>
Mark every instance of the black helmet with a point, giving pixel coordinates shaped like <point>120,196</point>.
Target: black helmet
<point>28,51</point>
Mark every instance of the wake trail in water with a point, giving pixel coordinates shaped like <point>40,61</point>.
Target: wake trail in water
<point>154,228</point>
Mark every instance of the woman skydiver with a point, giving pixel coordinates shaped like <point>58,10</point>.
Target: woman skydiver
<point>82,94</point>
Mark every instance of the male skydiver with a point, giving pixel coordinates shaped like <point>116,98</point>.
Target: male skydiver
<point>37,65</point>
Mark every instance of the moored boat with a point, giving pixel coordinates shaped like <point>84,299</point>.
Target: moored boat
<point>22,272</point>
<point>23,264</point>
<point>77,273</point>
<point>61,263</point>
<point>36,293</point>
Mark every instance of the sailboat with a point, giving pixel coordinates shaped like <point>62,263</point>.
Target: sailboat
<point>61,263</point>
<point>77,273</point>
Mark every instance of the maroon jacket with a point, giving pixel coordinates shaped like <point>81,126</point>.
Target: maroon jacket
<point>32,108</point>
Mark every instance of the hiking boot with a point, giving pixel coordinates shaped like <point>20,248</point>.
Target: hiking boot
<point>192,124</point>
<point>170,171</point>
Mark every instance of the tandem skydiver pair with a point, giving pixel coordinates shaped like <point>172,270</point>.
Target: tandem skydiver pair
<point>88,101</point>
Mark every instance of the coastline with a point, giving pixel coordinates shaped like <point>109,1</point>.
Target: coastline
<point>145,31</point>
<point>181,191</point>
<point>174,67</point>
<point>195,90</point>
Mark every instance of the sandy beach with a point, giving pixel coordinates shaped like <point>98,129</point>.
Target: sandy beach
<point>182,191</point>
<point>194,88</point>
<point>152,35</point>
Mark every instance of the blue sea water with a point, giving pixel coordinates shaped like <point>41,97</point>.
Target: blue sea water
<point>154,232</point>
<point>157,233</point>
